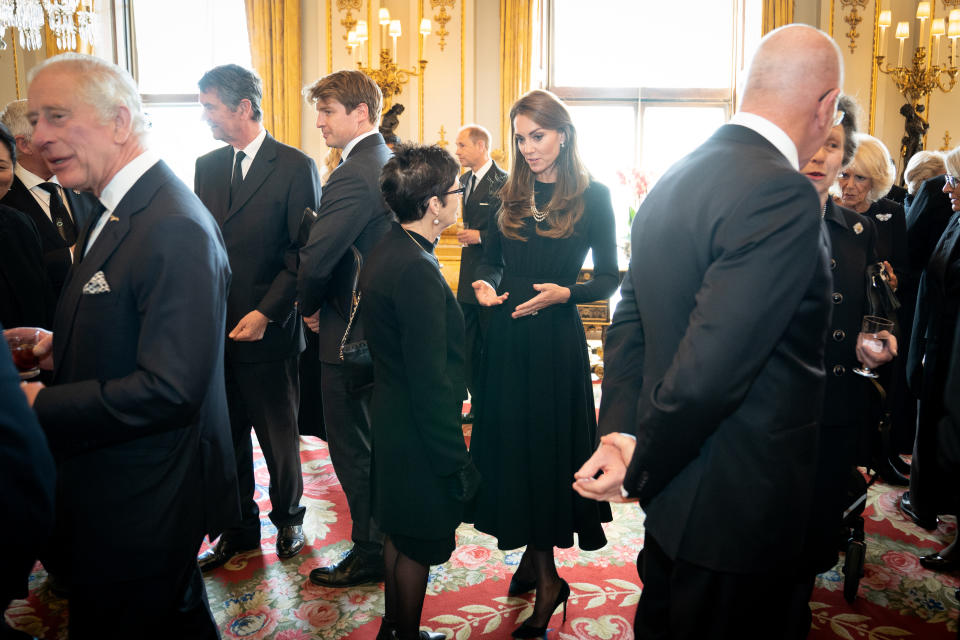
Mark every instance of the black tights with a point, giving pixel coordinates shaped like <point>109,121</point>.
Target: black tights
<point>539,564</point>
<point>404,589</point>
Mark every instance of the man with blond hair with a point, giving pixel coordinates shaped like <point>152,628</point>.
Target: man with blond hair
<point>714,371</point>
<point>352,212</point>
<point>136,412</point>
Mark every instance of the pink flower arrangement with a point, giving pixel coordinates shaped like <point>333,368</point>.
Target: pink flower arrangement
<point>471,556</point>
<point>639,184</point>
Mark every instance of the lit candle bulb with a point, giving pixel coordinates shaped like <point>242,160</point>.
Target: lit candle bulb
<point>384,19</point>
<point>352,42</point>
<point>903,32</point>
<point>938,28</point>
<point>953,32</point>
<point>884,23</point>
<point>424,30</point>
<point>395,32</point>
<point>923,12</point>
<point>362,36</point>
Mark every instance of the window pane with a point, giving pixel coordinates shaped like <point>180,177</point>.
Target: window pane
<point>631,43</point>
<point>669,133</point>
<point>179,136</point>
<point>178,40</point>
<point>606,137</point>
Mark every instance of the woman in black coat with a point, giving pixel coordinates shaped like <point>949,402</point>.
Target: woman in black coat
<point>422,473</point>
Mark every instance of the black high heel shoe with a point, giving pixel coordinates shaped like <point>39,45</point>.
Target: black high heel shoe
<point>529,631</point>
<point>519,585</point>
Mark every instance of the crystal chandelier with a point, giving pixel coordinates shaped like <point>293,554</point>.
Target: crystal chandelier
<point>68,19</point>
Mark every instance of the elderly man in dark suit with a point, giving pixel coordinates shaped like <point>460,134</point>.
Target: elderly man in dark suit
<point>714,368</point>
<point>481,202</point>
<point>136,412</point>
<point>352,212</point>
<point>57,212</point>
<point>257,189</point>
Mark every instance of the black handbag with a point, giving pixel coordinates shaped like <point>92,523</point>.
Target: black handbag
<point>355,358</point>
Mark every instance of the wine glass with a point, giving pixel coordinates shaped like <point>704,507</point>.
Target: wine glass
<point>21,341</point>
<point>873,325</point>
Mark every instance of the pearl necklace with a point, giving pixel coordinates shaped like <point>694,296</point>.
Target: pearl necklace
<point>538,215</point>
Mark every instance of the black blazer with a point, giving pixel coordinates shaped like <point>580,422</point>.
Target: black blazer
<point>137,409</point>
<point>891,223</point>
<point>260,230</point>
<point>716,363</point>
<point>352,211</point>
<point>479,213</point>
<point>27,476</point>
<point>26,296</point>
<point>414,327</point>
<point>853,241</point>
<point>926,219</point>
<point>56,252</point>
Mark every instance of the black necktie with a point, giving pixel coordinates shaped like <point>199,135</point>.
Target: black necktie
<point>471,185</point>
<point>59,214</point>
<point>237,179</point>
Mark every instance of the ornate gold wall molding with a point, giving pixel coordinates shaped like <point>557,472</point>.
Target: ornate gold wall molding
<point>442,19</point>
<point>853,18</point>
<point>348,21</point>
<point>874,72</point>
<point>443,137</point>
<point>946,135</point>
<point>950,3</point>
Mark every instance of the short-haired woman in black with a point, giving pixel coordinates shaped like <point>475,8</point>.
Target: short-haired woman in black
<point>421,470</point>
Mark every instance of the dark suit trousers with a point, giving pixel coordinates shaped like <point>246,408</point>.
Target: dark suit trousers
<point>173,605</point>
<point>476,319</point>
<point>684,601</point>
<point>348,436</point>
<point>265,395</point>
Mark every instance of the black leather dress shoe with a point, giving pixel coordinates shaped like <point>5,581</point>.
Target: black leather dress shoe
<point>906,506</point>
<point>290,541</point>
<point>355,569</point>
<point>936,562</point>
<point>220,553</point>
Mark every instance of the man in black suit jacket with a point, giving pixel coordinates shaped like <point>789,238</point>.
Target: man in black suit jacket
<point>715,366</point>
<point>36,193</point>
<point>352,212</point>
<point>257,189</point>
<point>136,413</point>
<point>481,202</point>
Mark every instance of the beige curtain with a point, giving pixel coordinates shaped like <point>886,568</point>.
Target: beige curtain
<point>516,54</point>
<point>776,13</point>
<point>274,27</point>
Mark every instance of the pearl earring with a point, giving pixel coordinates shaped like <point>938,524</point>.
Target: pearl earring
<point>436,220</point>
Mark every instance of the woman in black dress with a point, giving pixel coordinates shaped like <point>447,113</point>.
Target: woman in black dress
<point>536,423</point>
<point>421,470</point>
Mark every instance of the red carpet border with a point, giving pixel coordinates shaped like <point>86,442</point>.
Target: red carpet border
<point>257,597</point>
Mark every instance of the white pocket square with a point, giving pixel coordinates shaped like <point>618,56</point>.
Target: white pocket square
<point>96,284</point>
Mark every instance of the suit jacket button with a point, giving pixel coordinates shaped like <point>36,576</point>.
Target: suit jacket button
<point>839,335</point>
<point>839,370</point>
<point>833,264</point>
<point>837,298</point>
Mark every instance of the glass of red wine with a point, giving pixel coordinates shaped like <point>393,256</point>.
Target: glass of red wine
<point>21,341</point>
<point>873,326</point>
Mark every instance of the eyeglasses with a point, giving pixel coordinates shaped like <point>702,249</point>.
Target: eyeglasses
<point>455,192</point>
<point>952,180</point>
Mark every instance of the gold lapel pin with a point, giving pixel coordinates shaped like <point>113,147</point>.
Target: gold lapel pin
<point>114,219</point>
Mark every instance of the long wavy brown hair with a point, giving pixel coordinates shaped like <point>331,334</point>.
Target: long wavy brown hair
<point>566,206</point>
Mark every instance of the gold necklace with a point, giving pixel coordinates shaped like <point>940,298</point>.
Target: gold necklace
<point>420,246</point>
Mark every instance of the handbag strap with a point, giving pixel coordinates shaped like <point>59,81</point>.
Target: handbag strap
<point>354,305</point>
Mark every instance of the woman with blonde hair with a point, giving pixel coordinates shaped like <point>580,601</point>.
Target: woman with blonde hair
<point>922,166</point>
<point>864,183</point>
<point>536,423</point>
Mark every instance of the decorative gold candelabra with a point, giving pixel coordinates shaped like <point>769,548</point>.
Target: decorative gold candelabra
<point>388,75</point>
<point>926,74</point>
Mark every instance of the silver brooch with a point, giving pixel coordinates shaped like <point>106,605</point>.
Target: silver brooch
<point>883,217</point>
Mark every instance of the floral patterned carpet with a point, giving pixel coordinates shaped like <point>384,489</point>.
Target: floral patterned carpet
<point>257,597</point>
